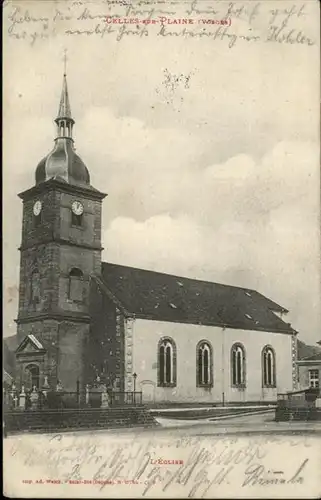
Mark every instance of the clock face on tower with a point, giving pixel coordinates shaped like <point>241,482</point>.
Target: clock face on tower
<point>77,208</point>
<point>37,208</point>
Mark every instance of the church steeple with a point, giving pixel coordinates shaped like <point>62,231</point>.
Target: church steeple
<point>63,163</point>
<point>64,119</point>
<point>60,252</point>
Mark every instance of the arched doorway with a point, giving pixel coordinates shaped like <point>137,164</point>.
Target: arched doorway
<point>32,378</point>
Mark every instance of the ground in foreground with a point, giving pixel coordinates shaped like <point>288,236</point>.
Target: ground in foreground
<point>245,457</point>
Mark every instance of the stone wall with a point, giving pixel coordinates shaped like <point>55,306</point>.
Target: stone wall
<point>53,248</point>
<point>303,372</point>
<point>104,344</point>
<point>45,259</point>
<point>51,420</point>
<point>65,357</point>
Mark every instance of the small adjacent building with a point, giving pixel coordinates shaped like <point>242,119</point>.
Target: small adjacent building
<point>309,366</point>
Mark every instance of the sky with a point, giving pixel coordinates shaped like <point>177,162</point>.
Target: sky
<point>215,177</point>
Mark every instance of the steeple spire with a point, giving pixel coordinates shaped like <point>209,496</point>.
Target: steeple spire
<point>64,105</point>
<point>63,163</point>
<point>64,119</point>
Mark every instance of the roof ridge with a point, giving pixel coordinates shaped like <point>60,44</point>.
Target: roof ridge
<point>245,289</point>
<point>310,356</point>
<point>168,297</point>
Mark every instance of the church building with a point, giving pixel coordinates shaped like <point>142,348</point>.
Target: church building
<point>174,338</point>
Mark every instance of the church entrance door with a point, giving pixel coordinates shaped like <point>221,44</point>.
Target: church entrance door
<point>32,376</point>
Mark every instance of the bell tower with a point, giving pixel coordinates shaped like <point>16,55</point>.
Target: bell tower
<point>60,251</point>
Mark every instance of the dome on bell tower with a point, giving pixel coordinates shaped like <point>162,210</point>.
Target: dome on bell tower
<point>62,163</point>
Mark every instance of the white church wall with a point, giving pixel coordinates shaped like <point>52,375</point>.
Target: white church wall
<point>145,335</point>
<point>253,342</point>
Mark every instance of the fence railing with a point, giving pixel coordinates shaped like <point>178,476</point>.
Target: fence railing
<point>49,399</point>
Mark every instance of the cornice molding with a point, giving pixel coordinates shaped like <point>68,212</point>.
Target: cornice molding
<point>53,184</point>
<point>231,326</point>
<point>55,315</point>
<point>308,361</point>
<point>59,241</point>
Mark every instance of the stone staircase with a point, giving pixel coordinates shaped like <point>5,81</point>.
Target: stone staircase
<point>82,418</point>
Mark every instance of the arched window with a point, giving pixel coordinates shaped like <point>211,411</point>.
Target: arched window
<point>35,287</point>
<point>268,367</point>
<point>238,366</point>
<point>166,363</point>
<point>75,291</point>
<point>204,364</point>
<point>76,220</point>
<point>37,219</point>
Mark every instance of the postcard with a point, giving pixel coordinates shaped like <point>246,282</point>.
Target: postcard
<point>161,246</point>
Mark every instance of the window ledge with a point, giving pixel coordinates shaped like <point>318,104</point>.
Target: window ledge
<point>172,384</point>
<point>273,386</point>
<point>240,387</point>
<point>205,386</point>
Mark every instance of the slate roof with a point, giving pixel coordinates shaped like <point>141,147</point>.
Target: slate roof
<point>305,351</point>
<point>308,352</point>
<point>314,357</point>
<point>64,165</point>
<point>64,104</point>
<point>7,378</point>
<point>35,341</point>
<point>164,297</point>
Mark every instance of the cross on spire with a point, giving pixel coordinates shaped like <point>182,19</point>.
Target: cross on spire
<point>64,119</point>
<point>65,62</point>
